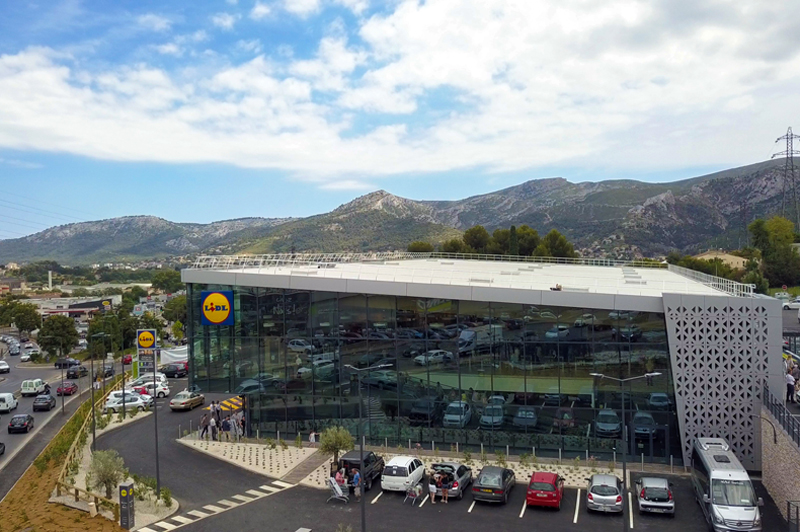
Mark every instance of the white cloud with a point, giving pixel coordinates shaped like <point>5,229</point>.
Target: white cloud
<point>253,45</point>
<point>21,164</point>
<point>154,22</point>
<point>356,6</point>
<point>443,85</point>
<point>302,8</point>
<point>259,11</point>
<point>347,184</point>
<point>232,2</point>
<point>169,49</point>
<point>226,21</point>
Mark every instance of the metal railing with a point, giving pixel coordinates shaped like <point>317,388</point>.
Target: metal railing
<point>323,260</point>
<point>726,285</point>
<point>778,409</point>
<point>793,515</point>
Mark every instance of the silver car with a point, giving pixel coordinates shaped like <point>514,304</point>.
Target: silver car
<point>457,476</point>
<point>655,495</point>
<point>604,494</point>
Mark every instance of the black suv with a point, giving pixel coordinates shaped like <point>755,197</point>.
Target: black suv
<point>76,372</point>
<point>174,371</point>
<point>66,362</point>
<point>373,467</point>
<point>107,371</point>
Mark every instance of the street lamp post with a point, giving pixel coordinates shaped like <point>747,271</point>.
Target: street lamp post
<point>361,440</point>
<point>94,379</point>
<point>624,434</point>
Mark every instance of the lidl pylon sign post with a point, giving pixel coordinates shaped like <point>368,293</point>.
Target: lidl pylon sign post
<point>146,348</point>
<point>216,308</point>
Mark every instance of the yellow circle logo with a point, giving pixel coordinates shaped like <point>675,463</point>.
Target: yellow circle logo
<point>216,308</point>
<point>124,493</point>
<point>146,339</point>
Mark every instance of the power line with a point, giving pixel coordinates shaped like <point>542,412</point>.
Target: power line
<point>24,220</point>
<point>59,217</point>
<point>21,225</point>
<point>47,203</point>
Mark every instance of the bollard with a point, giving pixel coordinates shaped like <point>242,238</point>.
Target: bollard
<point>385,444</point>
<point>507,451</point>
<point>258,434</point>
<point>190,426</point>
<point>363,441</point>
<point>642,461</point>
<point>671,468</point>
<point>456,446</point>
<point>433,447</point>
<point>92,509</point>
<point>534,451</point>
<point>409,444</point>
<point>615,458</point>
<point>481,449</point>
<point>587,456</point>
<point>279,435</point>
<point>179,431</point>
<point>559,457</point>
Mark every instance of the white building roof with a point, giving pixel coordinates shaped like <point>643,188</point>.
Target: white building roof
<point>595,283</point>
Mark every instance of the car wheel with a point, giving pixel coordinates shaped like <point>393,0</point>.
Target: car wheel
<point>505,498</point>
<point>140,408</point>
<point>460,494</point>
<point>786,307</point>
<point>368,485</point>
<point>161,395</point>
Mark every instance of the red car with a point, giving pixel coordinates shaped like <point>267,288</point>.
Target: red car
<point>127,359</point>
<point>545,489</point>
<point>68,388</point>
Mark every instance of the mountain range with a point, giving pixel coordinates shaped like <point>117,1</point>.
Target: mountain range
<point>616,218</point>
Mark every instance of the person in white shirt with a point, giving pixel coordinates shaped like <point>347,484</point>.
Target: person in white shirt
<point>789,387</point>
<point>212,423</point>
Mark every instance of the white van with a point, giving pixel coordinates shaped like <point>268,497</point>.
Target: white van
<point>401,473</point>
<point>7,402</point>
<point>32,387</point>
<point>723,487</point>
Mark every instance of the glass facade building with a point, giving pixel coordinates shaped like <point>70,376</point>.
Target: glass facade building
<point>452,372</point>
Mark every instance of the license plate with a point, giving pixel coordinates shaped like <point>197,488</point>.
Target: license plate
<point>487,491</point>
<point>541,495</point>
<point>657,510</point>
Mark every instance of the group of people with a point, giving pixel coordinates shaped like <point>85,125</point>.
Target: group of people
<point>229,427</point>
<point>792,381</point>
<point>439,481</point>
<point>341,479</point>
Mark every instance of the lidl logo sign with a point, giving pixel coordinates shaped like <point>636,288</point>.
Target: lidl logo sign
<point>216,308</point>
<point>145,338</point>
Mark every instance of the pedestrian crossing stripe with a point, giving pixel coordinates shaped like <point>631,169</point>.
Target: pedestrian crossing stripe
<point>234,403</point>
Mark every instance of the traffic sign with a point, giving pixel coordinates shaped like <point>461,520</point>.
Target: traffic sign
<point>785,287</point>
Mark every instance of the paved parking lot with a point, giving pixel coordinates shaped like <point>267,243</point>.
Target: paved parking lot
<point>300,507</point>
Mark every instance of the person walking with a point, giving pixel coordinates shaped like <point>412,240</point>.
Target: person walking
<point>226,429</point>
<point>789,387</point>
<point>445,487</point>
<point>204,426</point>
<point>357,484</point>
<point>213,424</point>
<point>312,439</point>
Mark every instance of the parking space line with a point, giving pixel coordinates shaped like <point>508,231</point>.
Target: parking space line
<point>524,506</point>
<point>145,529</point>
<point>471,506</point>
<point>423,500</point>
<point>630,508</point>
<point>198,513</point>
<point>577,506</point>
<point>373,501</point>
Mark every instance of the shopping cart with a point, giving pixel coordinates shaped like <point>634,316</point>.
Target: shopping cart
<point>336,492</point>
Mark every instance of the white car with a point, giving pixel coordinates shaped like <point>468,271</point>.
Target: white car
<point>148,378</point>
<point>129,396</point>
<point>793,304</point>
<point>4,367</point>
<point>457,415</point>
<point>586,320</point>
<point>402,473</point>
<point>320,368</point>
<point>434,356</point>
<point>298,345</point>
<point>131,403</point>
<point>161,389</point>
<point>493,417</point>
<point>557,331</point>
<point>25,357</point>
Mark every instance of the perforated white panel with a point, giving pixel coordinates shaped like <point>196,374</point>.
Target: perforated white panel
<point>721,351</point>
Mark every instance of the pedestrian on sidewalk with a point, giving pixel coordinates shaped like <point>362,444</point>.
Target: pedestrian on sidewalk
<point>213,424</point>
<point>789,387</point>
<point>312,439</point>
<point>226,429</point>
<point>204,426</point>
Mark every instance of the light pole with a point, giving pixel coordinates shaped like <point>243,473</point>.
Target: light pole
<point>624,434</point>
<point>94,379</point>
<point>61,365</point>
<point>361,440</point>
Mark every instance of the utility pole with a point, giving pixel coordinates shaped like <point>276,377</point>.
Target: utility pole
<point>788,173</point>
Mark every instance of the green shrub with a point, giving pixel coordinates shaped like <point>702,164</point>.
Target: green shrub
<point>166,496</point>
<point>467,457</point>
<point>500,458</point>
<point>298,442</point>
<point>283,444</point>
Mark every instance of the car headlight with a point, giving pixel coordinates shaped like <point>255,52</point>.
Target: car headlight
<point>717,518</point>
<point>757,521</point>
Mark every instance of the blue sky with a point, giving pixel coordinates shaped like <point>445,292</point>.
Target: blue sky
<point>199,111</point>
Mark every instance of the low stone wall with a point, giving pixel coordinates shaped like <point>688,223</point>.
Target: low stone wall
<point>780,464</point>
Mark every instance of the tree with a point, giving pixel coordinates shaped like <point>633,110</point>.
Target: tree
<point>177,330</point>
<point>781,231</point>
<point>759,235</point>
<point>335,440</point>
<point>107,470</point>
<point>456,245</point>
<point>500,239</point>
<point>477,238</point>
<point>420,247</point>
<point>782,266</point>
<point>175,309</point>
<point>149,321</point>
<point>26,317</point>
<point>755,277</point>
<point>80,292</point>
<point>513,241</point>
<point>542,250</point>
<point>528,240</point>
<point>109,324</point>
<point>58,333</point>
<point>137,292</point>
<point>167,281</point>
<point>558,245</point>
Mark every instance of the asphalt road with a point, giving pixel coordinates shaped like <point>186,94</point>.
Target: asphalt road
<point>193,478</point>
<point>790,323</point>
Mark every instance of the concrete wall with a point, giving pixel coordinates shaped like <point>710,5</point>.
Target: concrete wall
<point>780,464</point>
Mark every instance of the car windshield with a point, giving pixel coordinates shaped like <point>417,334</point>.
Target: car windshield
<point>395,471</point>
<point>732,492</point>
<point>494,411</point>
<point>656,494</point>
<point>526,413</point>
<point>643,420</point>
<point>423,405</point>
<point>607,418</point>
<point>542,486</point>
<point>454,410</point>
<point>605,491</point>
<point>491,478</point>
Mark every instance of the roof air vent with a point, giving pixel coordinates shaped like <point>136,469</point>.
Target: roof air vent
<point>722,459</point>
